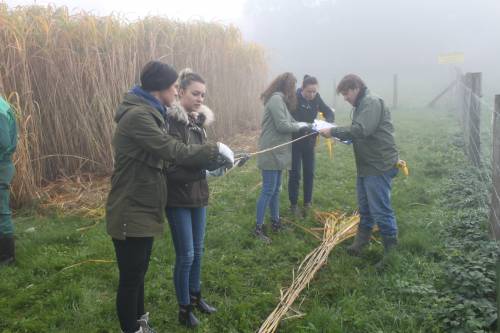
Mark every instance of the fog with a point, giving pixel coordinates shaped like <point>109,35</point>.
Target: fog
<point>379,38</point>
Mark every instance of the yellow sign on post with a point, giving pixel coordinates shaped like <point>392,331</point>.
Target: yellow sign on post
<point>451,58</point>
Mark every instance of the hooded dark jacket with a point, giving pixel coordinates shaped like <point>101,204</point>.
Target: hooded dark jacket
<point>188,186</point>
<point>138,196</point>
<point>307,111</point>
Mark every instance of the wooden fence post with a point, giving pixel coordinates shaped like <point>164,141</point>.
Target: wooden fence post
<point>462,100</point>
<point>495,174</point>
<point>495,192</point>
<point>474,119</point>
<point>467,98</point>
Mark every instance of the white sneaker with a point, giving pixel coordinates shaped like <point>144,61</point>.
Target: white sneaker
<point>145,328</point>
<point>139,331</point>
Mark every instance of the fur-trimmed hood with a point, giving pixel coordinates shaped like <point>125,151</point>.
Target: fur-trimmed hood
<point>204,117</point>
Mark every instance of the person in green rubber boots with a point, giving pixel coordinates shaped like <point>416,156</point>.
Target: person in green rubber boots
<point>8,143</point>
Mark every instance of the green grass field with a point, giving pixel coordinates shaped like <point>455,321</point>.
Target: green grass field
<point>243,276</point>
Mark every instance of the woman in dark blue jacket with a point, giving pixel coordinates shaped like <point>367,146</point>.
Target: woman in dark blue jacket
<point>309,103</point>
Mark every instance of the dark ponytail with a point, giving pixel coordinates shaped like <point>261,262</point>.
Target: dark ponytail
<point>309,80</point>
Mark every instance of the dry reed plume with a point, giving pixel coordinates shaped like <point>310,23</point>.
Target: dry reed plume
<point>65,74</point>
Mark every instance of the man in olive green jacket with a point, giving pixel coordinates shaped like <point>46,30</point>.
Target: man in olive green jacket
<point>372,135</point>
<point>135,209</point>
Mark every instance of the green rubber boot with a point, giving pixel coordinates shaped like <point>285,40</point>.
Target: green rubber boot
<point>390,244</point>
<point>361,240</point>
<point>7,250</point>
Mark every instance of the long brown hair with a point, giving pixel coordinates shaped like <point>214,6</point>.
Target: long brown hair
<point>284,83</point>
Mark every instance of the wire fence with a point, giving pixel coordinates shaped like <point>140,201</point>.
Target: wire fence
<point>480,122</point>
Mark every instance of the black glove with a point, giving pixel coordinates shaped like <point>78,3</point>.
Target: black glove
<point>306,130</point>
<point>223,161</point>
<point>242,159</point>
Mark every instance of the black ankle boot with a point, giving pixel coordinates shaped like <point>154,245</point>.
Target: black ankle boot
<point>186,316</point>
<point>262,234</point>
<point>198,302</point>
<point>277,226</point>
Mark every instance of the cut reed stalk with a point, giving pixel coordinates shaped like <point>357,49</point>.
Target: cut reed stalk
<point>337,228</point>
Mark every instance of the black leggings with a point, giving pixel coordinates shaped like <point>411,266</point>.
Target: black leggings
<point>132,255</point>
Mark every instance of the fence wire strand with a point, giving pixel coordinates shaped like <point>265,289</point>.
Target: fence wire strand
<point>468,103</point>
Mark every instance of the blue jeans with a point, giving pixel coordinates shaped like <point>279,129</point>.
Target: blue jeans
<point>303,157</point>
<point>6,173</point>
<point>269,196</point>
<point>188,234</point>
<point>374,200</point>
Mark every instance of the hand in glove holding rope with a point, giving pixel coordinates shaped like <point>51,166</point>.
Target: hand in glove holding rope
<point>306,128</point>
<point>242,159</point>
<point>229,160</point>
<point>226,155</point>
<point>225,161</point>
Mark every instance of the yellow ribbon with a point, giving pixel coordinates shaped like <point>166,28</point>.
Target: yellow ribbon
<point>403,167</point>
<point>329,142</point>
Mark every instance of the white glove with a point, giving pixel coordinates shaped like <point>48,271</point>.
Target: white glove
<point>302,124</point>
<point>226,152</point>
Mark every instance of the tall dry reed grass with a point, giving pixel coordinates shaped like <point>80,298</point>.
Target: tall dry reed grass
<point>65,74</point>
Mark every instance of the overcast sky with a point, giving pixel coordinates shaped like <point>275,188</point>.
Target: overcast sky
<point>227,11</point>
<point>328,38</point>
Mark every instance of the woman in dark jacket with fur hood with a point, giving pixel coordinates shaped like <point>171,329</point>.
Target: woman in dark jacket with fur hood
<point>187,197</point>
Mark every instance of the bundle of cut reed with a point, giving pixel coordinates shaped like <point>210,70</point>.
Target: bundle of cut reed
<point>337,227</point>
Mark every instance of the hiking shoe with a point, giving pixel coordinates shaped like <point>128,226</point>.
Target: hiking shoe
<point>307,210</point>
<point>144,323</point>
<point>295,212</point>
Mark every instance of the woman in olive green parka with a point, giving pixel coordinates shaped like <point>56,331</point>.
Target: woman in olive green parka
<point>136,204</point>
<point>277,128</point>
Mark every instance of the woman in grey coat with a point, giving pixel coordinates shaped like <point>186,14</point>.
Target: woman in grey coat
<point>277,128</point>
